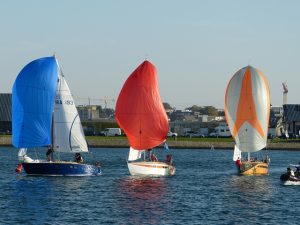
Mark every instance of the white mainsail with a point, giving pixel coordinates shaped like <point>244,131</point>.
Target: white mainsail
<point>134,154</point>
<point>237,154</point>
<point>68,133</point>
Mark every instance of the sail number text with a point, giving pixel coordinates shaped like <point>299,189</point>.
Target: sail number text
<point>66,102</point>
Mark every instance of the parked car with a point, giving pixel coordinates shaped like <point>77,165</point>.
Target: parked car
<point>213,134</point>
<point>217,135</point>
<point>111,132</point>
<point>193,134</point>
<point>172,134</point>
<point>197,134</point>
<point>188,133</point>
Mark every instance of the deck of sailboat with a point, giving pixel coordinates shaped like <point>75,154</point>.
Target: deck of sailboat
<point>151,168</point>
<point>151,164</point>
<point>254,168</point>
<point>56,162</point>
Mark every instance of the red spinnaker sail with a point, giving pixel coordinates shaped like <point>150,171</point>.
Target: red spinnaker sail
<point>139,109</point>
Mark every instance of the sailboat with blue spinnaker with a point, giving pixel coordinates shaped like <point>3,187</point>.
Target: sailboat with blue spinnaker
<point>44,115</point>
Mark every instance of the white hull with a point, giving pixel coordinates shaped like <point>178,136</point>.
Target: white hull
<point>151,168</point>
<point>288,182</point>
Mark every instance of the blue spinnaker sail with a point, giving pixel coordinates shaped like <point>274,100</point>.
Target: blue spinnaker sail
<point>32,103</point>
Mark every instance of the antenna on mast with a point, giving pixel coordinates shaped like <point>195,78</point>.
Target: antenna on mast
<point>285,91</point>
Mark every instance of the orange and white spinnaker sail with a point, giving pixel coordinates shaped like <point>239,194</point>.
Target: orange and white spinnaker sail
<point>247,109</point>
<point>139,109</point>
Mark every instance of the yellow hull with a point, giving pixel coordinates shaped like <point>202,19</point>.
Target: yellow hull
<point>254,168</point>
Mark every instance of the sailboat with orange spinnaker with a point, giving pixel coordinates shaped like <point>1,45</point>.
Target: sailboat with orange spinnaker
<point>141,114</point>
<point>247,111</point>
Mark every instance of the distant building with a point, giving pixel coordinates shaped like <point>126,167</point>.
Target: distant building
<point>182,115</point>
<point>222,130</point>
<point>205,118</point>
<point>276,126</point>
<point>94,119</point>
<point>291,119</point>
<point>181,127</point>
<point>88,112</point>
<point>5,113</point>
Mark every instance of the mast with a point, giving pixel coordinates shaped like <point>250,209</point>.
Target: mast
<point>52,139</point>
<point>52,132</point>
<point>52,124</point>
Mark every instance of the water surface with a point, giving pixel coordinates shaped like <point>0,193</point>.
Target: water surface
<point>205,190</point>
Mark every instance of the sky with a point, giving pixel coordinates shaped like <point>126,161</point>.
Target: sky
<point>196,45</point>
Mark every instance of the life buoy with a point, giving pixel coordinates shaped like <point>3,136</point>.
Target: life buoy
<point>19,168</point>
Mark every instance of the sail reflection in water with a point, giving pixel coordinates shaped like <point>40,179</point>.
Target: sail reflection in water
<point>249,192</point>
<point>144,197</point>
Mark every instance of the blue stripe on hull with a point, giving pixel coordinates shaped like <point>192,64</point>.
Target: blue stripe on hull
<point>61,169</point>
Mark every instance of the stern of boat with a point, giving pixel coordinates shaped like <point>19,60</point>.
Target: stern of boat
<point>151,168</point>
<point>254,168</point>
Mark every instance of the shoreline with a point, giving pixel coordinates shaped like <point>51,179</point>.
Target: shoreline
<point>173,144</point>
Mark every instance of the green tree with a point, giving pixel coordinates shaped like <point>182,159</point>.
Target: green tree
<point>211,111</point>
<point>206,110</point>
<point>167,106</point>
<point>195,108</point>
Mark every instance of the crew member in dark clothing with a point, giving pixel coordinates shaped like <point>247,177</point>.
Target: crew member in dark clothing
<point>49,154</point>
<point>78,158</point>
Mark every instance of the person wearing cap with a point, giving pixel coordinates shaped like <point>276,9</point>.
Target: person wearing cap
<point>78,158</point>
<point>289,172</point>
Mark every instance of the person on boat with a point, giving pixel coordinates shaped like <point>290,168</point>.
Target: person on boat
<point>297,172</point>
<point>289,172</point>
<point>287,175</point>
<point>292,173</point>
<point>49,154</point>
<point>97,164</point>
<point>169,159</point>
<point>78,158</point>
<point>238,163</point>
<point>267,159</point>
<point>148,156</point>
<point>153,158</point>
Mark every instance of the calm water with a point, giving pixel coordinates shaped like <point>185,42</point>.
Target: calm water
<point>205,190</point>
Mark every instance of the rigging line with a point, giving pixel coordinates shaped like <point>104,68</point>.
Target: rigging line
<point>71,132</point>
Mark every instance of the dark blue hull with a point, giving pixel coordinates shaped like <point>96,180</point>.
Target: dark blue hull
<point>60,169</point>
